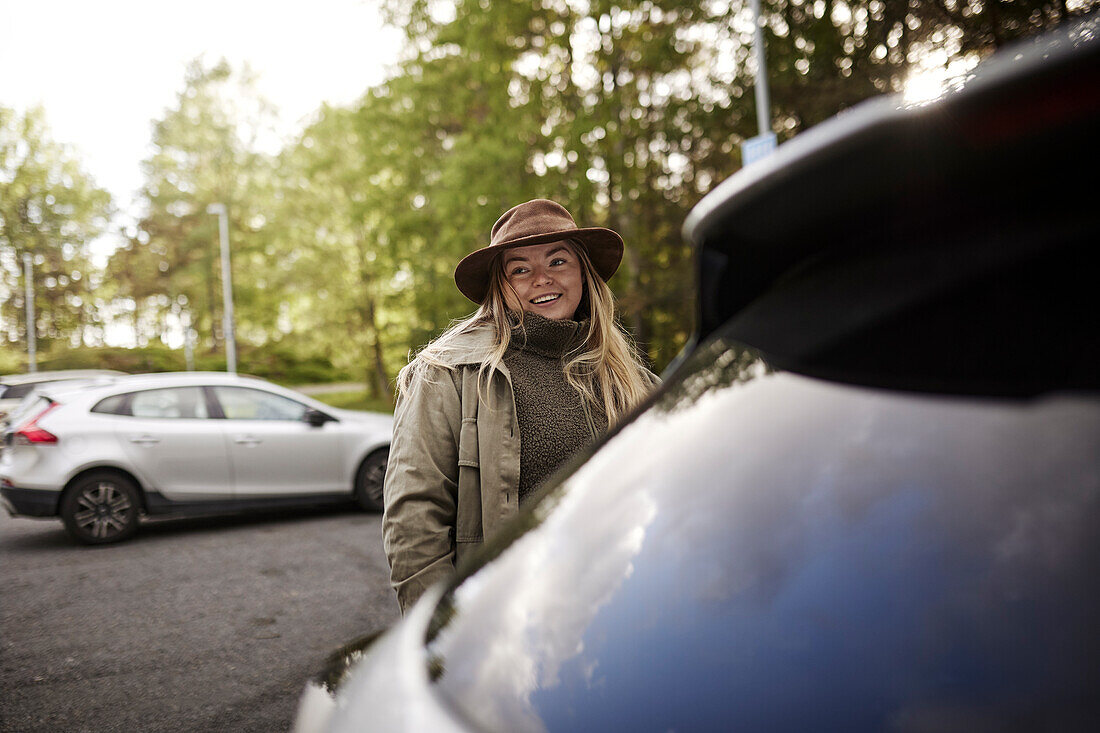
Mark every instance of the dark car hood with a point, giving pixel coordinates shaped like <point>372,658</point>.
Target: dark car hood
<point>788,554</point>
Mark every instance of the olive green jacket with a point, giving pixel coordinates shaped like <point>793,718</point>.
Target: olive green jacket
<point>453,472</point>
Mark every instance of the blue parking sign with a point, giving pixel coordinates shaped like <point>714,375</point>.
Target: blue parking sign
<point>757,147</point>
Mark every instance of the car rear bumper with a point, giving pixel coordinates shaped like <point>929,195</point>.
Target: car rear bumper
<point>29,502</point>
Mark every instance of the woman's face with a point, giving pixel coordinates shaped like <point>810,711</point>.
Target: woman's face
<point>547,279</point>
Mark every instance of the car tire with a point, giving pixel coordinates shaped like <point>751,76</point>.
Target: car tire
<point>369,479</point>
<point>101,507</point>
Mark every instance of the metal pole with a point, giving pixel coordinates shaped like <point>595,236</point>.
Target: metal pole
<point>763,104</point>
<point>28,283</point>
<point>227,286</point>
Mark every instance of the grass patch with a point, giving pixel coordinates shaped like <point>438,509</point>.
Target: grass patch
<point>355,400</point>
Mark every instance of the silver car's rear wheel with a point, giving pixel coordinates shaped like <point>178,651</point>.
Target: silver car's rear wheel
<point>101,507</point>
<point>369,480</point>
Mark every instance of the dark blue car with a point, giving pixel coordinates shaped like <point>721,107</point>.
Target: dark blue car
<point>867,496</point>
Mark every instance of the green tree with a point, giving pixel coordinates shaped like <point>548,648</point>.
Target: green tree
<point>627,112</point>
<point>445,151</point>
<point>207,149</point>
<point>51,209</point>
<point>333,266</point>
<point>610,109</point>
<point>826,55</point>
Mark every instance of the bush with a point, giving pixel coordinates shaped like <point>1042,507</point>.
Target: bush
<point>131,361</point>
<point>276,362</point>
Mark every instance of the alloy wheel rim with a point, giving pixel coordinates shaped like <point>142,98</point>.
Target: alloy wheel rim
<point>375,477</point>
<point>105,510</point>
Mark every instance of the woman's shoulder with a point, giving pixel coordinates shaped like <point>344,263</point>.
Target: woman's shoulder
<point>471,345</point>
<point>440,361</point>
<point>467,344</point>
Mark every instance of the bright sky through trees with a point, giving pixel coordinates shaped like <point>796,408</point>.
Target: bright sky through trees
<point>104,70</point>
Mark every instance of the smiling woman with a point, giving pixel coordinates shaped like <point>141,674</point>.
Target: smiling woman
<point>496,404</point>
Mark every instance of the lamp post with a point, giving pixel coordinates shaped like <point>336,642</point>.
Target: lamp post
<point>227,286</point>
<point>763,103</point>
<point>758,147</point>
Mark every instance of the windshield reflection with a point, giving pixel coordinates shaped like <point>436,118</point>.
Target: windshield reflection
<point>761,544</point>
<point>542,595</point>
<point>534,608</point>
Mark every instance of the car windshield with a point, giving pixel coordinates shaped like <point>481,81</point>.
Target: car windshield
<point>747,510</point>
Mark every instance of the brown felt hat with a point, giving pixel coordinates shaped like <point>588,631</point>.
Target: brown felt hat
<point>536,222</point>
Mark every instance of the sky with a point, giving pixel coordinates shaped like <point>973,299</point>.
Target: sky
<point>103,70</point>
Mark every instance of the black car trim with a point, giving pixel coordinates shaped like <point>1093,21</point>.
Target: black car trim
<point>157,504</point>
<point>44,503</point>
<point>31,502</point>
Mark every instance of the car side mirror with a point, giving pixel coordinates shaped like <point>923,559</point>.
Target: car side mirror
<point>316,418</point>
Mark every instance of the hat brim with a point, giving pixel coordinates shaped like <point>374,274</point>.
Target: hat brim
<point>604,248</point>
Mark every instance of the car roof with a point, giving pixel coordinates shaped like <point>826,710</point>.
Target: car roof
<point>937,247</point>
<point>113,384</point>
<point>31,377</point>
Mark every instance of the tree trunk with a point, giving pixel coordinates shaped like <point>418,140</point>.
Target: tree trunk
<point>377,380</point>
<point>135,324</point>
<point>378,383</point>
<point>995,25</point>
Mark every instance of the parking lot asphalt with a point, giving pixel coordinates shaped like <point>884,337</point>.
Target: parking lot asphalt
<point>211,624</point>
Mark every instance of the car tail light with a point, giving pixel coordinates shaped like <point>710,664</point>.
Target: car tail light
<point>31,434</point>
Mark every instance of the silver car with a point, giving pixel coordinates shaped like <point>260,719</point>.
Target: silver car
<point>100,455</point>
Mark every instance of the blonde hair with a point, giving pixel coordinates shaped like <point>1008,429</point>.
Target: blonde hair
<point>605,369</point>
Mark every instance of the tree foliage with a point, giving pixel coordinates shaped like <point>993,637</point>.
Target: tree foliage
<point>345,240</point>
<point>338,271</point>
<point>51,209</point>
<point>206,151</point>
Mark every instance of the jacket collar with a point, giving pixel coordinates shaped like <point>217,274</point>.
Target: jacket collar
<point>472,347</point>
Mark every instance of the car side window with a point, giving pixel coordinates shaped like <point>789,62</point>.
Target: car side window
<point>176,402</point>
<point>241,403</point>
<point>118,404</point>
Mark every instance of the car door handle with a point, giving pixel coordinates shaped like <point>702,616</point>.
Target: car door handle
<point>144,440</point>
<point>247,440</point>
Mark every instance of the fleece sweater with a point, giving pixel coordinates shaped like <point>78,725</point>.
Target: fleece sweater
<point>550,412</point>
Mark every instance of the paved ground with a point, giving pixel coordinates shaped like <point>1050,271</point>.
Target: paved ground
<point>195,625</point>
